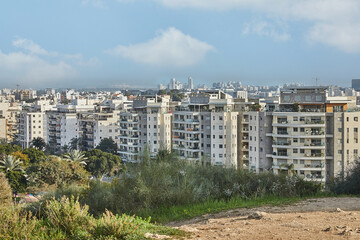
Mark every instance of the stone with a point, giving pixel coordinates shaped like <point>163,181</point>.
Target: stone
<point>257,215</point>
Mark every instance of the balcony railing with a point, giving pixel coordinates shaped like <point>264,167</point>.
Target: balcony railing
<point>281,143</point>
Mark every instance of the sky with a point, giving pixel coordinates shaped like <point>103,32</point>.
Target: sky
<point>142,43</point>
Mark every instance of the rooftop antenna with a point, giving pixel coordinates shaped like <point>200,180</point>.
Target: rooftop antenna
<point>316,81</point>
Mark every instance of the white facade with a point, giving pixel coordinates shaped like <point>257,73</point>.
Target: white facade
<point>31,126</point>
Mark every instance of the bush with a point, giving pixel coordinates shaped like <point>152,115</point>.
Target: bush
<point>167,181</point>
<point>69,216</point>
<point>68,219</point>
<point>350,183</point>
<point>112,226</point>
<point>5,191</point>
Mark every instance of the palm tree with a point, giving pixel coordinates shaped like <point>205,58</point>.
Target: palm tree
<point>75,156</point>
<point>38,143</point>
<point>10,163</point>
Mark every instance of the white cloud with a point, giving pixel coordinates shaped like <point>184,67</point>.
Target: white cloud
<point>28,68</point>
<point>32,64</point>
<point>170,48</point>
<point>264,28</point>
<point>334,22</point>
<point>31,47</point>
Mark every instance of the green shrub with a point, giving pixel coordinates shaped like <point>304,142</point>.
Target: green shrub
<point>111,226</point>
<point>69,216</point>
<point>16,224</point>
<point>167,181</point>
<point>348,184</point>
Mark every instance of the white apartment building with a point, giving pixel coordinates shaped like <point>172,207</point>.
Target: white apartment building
<point>147,125</point>
<point>62,125</point>
<point>205,129</point>
<point>31,125</point>
<point>309,133</point>
<point>93,127</point>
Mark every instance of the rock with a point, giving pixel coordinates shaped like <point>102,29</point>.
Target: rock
<point>257,215</point>
<point>327,229</point>
<point>156,236</point>
<point>338,210</point>
<point>247,223</point>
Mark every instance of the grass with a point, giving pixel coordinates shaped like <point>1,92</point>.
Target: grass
<point>183,212</point>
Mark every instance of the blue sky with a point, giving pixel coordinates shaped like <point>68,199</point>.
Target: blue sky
<point>141,43</point>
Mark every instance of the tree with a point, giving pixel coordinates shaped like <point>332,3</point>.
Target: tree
<point>56,172</point>
<point>14,172</point>
<point>107,145</point>
<point>22,157</point>
<point>6,149</point>
<point>76,144</point>
<point>10,163</point>
<point>75,156</point>
<point>38,143</point>
<point>100,163</point>
<point>34,155</point>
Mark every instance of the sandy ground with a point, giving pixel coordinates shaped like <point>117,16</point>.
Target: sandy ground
<point>325,218</point>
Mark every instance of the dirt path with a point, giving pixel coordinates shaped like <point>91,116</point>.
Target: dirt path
<point>324,218</point>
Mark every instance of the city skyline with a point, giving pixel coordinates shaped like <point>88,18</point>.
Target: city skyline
<point>94,43</point>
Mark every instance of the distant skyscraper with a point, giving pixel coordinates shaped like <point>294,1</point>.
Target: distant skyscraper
<point>190,83</point>
<point>356,84</point>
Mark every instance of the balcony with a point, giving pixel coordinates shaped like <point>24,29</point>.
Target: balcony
<point>281,143</point>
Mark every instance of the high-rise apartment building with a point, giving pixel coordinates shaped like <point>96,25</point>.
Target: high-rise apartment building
<point>311,134</point>
<point>147,125</point>
<point>31,125</point>
<point>205,129</point>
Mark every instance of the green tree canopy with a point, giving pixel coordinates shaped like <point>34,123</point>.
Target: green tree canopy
<point>34,155</point>
<point>75,156</point>
<point>56,172</point>
<point>100,163</point>
<point>6,149</point>
<point>107,145</point>
<point>38,143</point>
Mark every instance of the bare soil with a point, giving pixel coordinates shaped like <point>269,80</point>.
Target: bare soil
<point>323,218</point>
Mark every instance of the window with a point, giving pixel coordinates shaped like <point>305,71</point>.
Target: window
<point>302,129</point>
<point>220,127</point>
<point>302,119</point>
<point>355,130</point>
<point>220,118</point>
<point>295,129</point>
<point>339,151</point>
<point>220,136</point>
<point>302,140</point>
<point>302,150</point>
<point>295,140</point>
<point>220,146</point>
<point>295,161</point>
<point>220,155</point>
<point>295,119</point>
<point>356,119</point>
<point>302,161</point>
<point>355,151</point>
<point>356,140</point>
<point>295,150</point>
<point>155,126</point>
<point>208,136</point>
<point>347,119</point>
<point>208,145</point>
<point>155,142</point>
<point>340,119</point>
<point>213,136</point>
